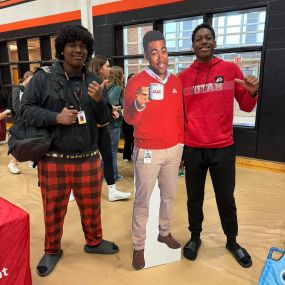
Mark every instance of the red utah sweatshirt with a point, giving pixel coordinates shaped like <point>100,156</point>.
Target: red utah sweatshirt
<point>209,91</point>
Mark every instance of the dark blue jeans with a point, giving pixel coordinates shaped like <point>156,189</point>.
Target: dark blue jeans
<point>115,137</point>
<point>104,145</point>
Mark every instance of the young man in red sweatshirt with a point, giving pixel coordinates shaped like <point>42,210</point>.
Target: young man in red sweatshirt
<point>158,133</point>
<point>210,86</point>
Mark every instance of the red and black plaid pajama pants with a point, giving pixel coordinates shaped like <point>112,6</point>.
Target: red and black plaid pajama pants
<point>58,176</point>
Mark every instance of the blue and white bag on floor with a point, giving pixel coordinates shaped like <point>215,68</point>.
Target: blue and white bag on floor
<point>274,269</point>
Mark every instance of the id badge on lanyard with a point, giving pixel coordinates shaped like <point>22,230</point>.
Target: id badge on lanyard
<point>147,156</point>
<point>81,114</point>
<point>81,117</point>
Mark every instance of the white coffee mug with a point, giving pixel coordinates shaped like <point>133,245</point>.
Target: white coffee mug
<point>156,91</point>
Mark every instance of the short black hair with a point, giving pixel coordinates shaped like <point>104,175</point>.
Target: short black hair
<point>131,75</point>
<point>152,36</point>
<point>201,26</point>
<point>70,34</point>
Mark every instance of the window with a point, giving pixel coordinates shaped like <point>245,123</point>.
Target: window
<point>34,66</point>
<point>249,63</point>
<point>134,65</point>
<point>239,38</point>
<point>133,36</point>
<point>13,57</point>
<point>239,28</point>
<point>178,33</point>
<point>178,63</point>
<point>52,45</point>
<point>12,51</point>
<point>14,74</point>
<point>34,49</point>
<point>18,56</point>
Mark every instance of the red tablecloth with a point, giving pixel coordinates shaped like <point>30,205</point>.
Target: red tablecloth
<point>14,245</point>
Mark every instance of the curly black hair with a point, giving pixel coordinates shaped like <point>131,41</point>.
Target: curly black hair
<point>201,26</point>
<point>70,34</point>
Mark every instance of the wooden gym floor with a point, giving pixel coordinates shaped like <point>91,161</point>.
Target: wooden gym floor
<point>260,196</point>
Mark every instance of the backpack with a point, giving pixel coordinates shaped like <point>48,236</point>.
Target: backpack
<point>26,142</point>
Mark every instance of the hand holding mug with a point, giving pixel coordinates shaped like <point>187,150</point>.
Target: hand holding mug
<point>142,97</point>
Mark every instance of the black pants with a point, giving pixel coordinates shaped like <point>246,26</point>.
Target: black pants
<point>129,140</point>
<point>221,164</point>
<point>104,146</point>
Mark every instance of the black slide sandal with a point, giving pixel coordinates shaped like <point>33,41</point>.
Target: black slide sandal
<point>239,254</point>
<point>48,263</point>
<point>104,247</point>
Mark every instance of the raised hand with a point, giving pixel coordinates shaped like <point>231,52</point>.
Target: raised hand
<point>115,115</point>
<point>95,90</point>
<point>67,117</point>
<point>116,112</point>
<point>142,97</point>
<point>250,83</point>
<point>104,83</point>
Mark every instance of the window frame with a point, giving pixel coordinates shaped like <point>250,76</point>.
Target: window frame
<point>23,64</point>
<point>208,17</point>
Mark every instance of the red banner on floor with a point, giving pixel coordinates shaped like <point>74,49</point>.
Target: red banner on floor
<point>14,245</point>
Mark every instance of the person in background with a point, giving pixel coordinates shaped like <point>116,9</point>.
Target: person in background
<point>159,136</point>
<point>17,93</point>
<point>73,108</point>
<point>4,104</point>
<point>99,65</point>
<point>210,86</point>
<point>115,89</point>
<point>128,131</point>
<point>181,172</point>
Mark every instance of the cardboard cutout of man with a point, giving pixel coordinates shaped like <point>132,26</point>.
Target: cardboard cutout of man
<point>158,133</point>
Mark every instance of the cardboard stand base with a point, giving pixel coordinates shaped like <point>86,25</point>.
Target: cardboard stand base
<point>157,253</point>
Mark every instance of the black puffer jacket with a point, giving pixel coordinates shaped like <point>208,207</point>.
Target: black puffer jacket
<point>4,99</point>
<point>45,97</point>
<point>16,92</point>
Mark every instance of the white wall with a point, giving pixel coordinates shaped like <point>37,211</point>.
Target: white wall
<point>36,9</point>
<point>41,8</point>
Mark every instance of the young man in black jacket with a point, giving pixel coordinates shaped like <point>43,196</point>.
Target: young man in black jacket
<point>69,104</point>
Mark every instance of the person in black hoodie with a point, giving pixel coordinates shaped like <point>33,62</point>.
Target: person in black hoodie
<point>69,103</point>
